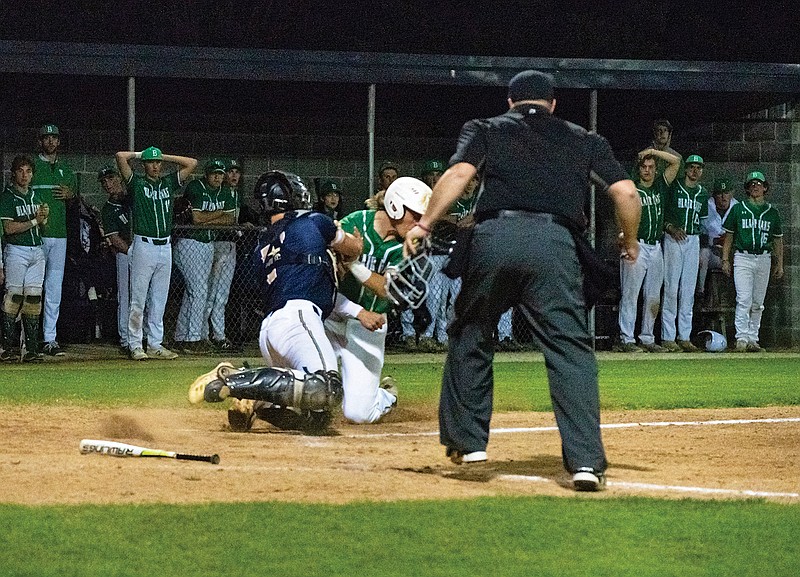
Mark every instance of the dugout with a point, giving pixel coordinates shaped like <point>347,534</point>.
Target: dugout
<point>340,114</point>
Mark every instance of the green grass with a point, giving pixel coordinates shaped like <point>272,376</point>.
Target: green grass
<point>499,536</point>
<point>668,383</point>
<point>488,536</point>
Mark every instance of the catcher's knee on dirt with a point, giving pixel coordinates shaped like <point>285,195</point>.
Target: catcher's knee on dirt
<point>317,391</point>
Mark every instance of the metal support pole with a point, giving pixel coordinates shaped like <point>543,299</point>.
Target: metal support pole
<point>371,135</point>
<point>592,221</point>
<point>131,113</point>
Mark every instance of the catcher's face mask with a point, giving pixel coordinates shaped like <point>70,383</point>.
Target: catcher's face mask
<point>407,285</point>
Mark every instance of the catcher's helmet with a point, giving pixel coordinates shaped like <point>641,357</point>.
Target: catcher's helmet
<point>715,342</point>
<point>278,191</point>
<point>406,193</point>
<point>407,285</point>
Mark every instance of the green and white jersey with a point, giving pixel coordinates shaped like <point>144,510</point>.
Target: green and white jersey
<point>151,210</point>
<point>754,226</point>
<point>231,203</point>
<point>378,254</point>
<point>46,177</point>
<point>651,225</point>
<point>116,220</point>
<point>204,198</point>
<point>21,208</point>
<point>685,206</point>
<point>462,207</point>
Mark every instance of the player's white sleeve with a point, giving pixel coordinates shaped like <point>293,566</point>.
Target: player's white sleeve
<point>345,307</point>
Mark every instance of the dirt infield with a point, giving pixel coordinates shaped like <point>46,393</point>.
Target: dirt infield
<point>397,460</point>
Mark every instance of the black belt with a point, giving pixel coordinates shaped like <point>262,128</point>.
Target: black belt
<point>155,241</point>
<point>752,252</point>
<point>532,214</point>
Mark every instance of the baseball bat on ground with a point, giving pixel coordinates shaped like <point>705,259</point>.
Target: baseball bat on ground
<point>117,449</point>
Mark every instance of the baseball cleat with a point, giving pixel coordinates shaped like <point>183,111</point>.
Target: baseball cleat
<point>459,457</point>
<point>587,479</point>
<point>138,354</point>
<point>198,387</point>
<point>161,353</point>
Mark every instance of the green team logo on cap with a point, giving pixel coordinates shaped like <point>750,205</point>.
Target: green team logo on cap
<point>755,175</point>
<point>215,166</point>
<point>433,166</point>
<point>48,129</point>
<point>722,185</point>
<point>695,159</point>
<point>152,153</point>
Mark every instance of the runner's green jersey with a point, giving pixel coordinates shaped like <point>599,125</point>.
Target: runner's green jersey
<point>378,254</point>
<point>685,206</point>
<point>151,210</point>
<point>754,226</point>
<point>46,177</point>
<point>462,207</point>
<point>21,208</point>
<point>651,225</point>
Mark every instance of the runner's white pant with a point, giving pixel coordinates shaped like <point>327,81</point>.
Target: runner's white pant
<point>681,261</point>
<point>361,352</point>
<point>751,277</point>
<point>55,254</point>
<point>645,274</point>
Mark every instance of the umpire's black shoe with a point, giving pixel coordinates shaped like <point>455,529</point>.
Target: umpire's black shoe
<point>587,479</point>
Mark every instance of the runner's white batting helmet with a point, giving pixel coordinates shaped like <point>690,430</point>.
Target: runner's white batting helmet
<point>406,193</point>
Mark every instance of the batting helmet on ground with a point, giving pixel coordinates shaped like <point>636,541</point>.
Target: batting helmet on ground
<point>715,342</point>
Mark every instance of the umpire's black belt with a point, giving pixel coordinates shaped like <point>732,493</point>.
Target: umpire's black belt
<point>541,216</point>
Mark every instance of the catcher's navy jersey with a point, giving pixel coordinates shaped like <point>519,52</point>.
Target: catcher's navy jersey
<point>295,261</point>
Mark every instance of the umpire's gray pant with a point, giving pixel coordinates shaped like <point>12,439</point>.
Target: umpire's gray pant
<point>528,261</point>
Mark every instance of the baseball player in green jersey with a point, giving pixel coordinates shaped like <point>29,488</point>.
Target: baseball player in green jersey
<point>646,273</point>
<point>150,254</point>
<point>55,181</point>
<point>23,213</point>
<point>686,204</point>
<point>224,264</point>
<point>357,326</point>
<point>194,256</point>
<point>116,216</point>
<point>753,229</point>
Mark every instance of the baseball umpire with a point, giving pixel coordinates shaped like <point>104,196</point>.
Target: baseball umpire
<point>536,171</point>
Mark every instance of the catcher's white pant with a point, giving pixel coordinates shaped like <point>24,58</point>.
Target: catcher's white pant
<point>681,261</point>
<point>645,274</point>
<point>293,337</point>
<point>751,277</point>
<point>123,297</point>
<point>151,268</point>
<point>55,254</point>
<point>193,258</point>
<point>361,352</point>
<point>219,287</point>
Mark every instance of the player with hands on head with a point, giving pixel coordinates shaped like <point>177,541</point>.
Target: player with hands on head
<point>23,214</point>
<point>536,174</point>
<point>357,329</point>
<point>753,229</point>
<point>152,197</point>
<point>301,386</point>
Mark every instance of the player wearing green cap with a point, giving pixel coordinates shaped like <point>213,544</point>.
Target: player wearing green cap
<point>753,229</point>
<point>686,205</point>
<point>150,254</point>
<point>55,182</point>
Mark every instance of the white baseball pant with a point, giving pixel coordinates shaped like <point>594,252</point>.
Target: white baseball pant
<point>681,261</point>
<point>55,254</point>
<point>751,277</point>
<point>219,287</point>
<point>193,258</point>
<point>151,268</point>
<point>645,274</point>
<point>123,297</point>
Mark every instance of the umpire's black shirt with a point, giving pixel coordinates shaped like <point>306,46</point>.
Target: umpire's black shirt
<point>535,162</point>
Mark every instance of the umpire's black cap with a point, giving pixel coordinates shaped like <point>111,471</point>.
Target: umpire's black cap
<point>531,85</point>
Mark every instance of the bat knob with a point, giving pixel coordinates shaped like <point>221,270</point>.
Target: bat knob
<point>215,459</point>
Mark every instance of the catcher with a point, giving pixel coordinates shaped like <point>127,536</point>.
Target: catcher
<point>298,288</point>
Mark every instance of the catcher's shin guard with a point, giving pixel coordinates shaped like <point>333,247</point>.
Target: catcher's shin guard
<point>9,330</point>
<point>317,391</point>
<point>30,324</point>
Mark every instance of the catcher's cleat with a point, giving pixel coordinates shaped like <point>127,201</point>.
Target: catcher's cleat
<point>198,387</point>
<point>241,415</point>
<point>216,391</point>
